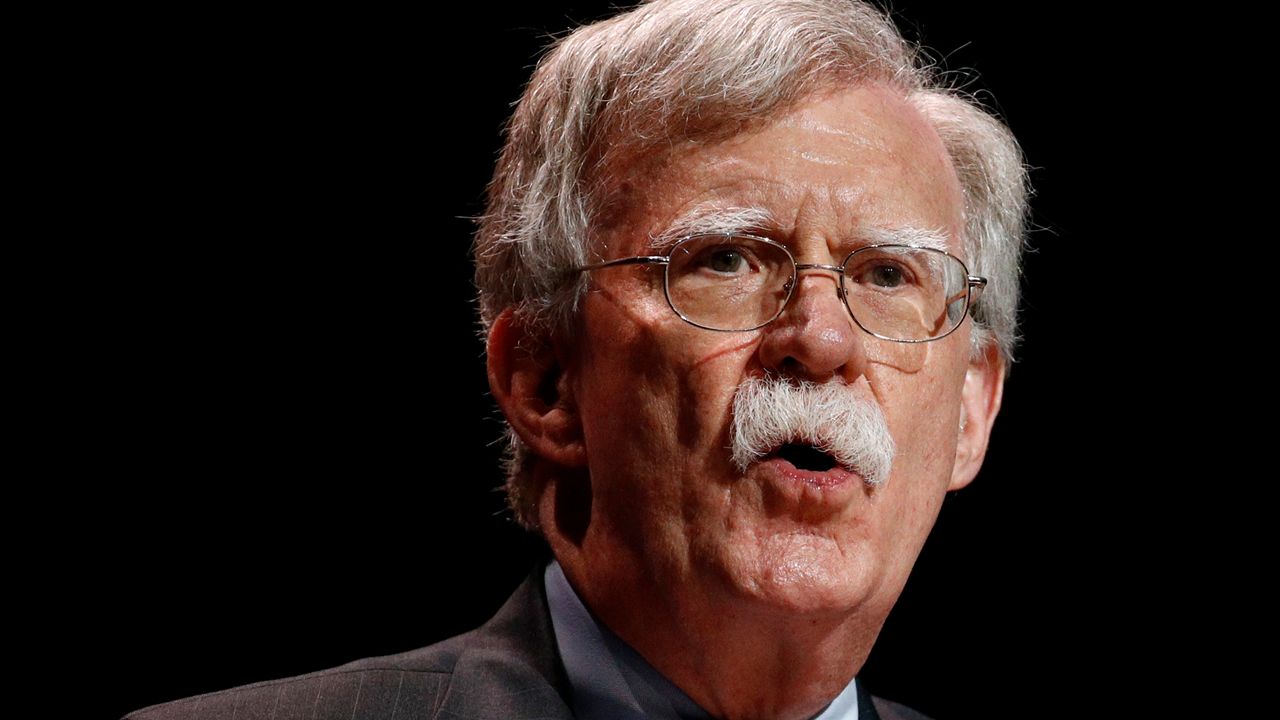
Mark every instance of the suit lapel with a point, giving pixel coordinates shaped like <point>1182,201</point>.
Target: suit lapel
<point>510,667</point>
<point>866,710</point>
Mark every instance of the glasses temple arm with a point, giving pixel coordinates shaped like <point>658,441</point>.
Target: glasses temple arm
<point>973,288</point>
<point>638,260</point>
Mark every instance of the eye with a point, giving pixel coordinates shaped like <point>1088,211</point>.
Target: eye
<point>741,263</point>
<point>885,269</point>
<point>885,275</point>
<point>725,260</point>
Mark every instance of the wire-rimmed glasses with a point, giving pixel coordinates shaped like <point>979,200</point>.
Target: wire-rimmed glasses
<point>738,282</point>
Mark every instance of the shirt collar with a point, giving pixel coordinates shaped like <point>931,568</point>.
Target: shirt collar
<point>611,681</point>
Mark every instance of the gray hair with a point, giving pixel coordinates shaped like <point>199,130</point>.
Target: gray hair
<point>770,411</point>
<point>673,70</point>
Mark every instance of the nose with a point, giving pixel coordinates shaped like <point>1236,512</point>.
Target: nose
<point>815,337</point>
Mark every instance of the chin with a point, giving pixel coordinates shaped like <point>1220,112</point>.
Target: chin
<point>802,572</point>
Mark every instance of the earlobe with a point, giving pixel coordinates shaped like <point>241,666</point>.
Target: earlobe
<point>979,404</point>
<point>532,388</point>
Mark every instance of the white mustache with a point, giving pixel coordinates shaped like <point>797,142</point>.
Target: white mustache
<point>769,412</point>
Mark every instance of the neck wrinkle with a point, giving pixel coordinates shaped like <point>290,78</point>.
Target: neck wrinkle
<point>732,661</point>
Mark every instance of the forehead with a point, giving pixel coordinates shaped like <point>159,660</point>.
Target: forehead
<point>836,163</point>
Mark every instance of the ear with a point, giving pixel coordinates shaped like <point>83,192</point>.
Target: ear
<point>979,403</point>
<point>528,379</point>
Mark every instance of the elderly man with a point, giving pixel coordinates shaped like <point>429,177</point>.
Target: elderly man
<point>749,281</point>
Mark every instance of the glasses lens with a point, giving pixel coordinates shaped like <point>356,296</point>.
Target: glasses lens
<point>906,293</point>
<point>727,282</point>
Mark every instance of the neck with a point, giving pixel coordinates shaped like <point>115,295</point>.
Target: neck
<point>731,655</point>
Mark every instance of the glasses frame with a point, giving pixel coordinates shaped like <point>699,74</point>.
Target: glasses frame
<point>974,284</point>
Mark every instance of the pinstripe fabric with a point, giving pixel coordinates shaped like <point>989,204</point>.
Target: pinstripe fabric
<point>384,694</point>
<point>507,669</point>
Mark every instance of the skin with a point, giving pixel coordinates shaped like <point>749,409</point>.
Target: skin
<point>757,595</point>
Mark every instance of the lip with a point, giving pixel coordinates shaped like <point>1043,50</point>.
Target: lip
<point>788,485</point>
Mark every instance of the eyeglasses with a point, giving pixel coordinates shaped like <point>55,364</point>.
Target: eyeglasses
<point>737,283</point>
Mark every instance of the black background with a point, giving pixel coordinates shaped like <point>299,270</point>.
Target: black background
<point>288,411</point>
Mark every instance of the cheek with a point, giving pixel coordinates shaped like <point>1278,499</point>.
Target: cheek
<point>649,380</point>
<point>923,411</point>
<point>897,357</point>
<point>924,430</point>
<point>654,398</point>
<point>625,402</point>
<point>717,365</point>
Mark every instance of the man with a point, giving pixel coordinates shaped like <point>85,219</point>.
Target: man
<point>749,283</point>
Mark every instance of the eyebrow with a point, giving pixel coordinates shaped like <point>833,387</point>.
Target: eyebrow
<point>907,235</point>
<point>712,220</point>
<point>718,220</point>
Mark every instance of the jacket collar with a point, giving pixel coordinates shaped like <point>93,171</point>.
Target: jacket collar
<point>510,667</point>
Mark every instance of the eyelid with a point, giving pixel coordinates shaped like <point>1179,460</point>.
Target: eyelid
<point>663,245</point>
<point>911,272</point>
<point>718,241</point>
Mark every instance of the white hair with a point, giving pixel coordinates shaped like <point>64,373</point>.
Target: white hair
<point>704,70</point>
<point>771,411</point>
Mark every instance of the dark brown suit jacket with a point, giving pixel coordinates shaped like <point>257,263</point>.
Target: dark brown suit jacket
<point>507,669</point>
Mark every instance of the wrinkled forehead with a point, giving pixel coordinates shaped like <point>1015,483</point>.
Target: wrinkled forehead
<point>856,160</point>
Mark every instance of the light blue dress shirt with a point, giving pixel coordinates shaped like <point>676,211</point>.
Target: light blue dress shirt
<point>611,681</point>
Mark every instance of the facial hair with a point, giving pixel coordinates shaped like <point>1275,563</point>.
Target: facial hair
<point>771,411</point>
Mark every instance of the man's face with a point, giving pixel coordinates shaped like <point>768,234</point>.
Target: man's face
<point>655,394</point>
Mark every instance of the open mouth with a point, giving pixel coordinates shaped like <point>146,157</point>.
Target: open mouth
<point>806,457</point>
